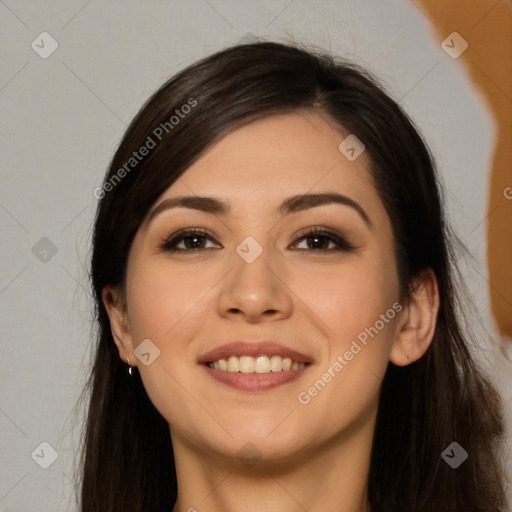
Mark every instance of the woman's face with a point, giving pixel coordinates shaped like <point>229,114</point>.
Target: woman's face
<point>255,283</point>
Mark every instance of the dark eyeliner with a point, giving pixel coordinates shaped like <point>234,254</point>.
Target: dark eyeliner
<point>168,242</point>
<point>343,244</point>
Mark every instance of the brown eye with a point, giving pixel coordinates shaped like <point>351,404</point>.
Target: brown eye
<point>316,239</point>
<point>190,240</point>
<point>320,239</point>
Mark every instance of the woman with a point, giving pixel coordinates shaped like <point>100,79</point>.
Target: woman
<point>276,307</point>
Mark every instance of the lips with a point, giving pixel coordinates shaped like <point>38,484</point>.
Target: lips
<point>253,349</point>
<point>254,381</point>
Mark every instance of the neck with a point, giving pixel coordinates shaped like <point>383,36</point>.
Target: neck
<point>331,476</point>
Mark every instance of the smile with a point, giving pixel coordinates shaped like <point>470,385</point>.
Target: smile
<point>256,365</point>
<point>259,364</point>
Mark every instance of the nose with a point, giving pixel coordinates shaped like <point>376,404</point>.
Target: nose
<point>255,292</point>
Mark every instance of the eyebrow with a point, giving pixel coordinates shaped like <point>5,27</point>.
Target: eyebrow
<point>290,205</point>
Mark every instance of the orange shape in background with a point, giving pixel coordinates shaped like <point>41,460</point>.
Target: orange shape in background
<point>486,25</point>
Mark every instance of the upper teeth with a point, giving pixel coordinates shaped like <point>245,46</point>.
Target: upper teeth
<point>260,364</point>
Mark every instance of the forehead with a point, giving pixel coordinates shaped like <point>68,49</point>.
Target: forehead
<point>277,156</point>
<point>301,146</point>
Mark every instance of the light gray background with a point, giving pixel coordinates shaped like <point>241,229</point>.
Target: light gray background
<point>62,118</point>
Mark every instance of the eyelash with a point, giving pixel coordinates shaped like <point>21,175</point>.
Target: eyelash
<point>169,244</point>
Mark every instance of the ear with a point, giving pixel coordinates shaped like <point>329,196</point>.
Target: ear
<point>114,303</point>
<point>417,321</point>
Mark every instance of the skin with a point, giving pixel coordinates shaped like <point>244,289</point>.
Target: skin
<point>315,301</point>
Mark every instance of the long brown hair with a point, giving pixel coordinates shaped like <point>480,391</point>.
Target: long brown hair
<point>127,458</point>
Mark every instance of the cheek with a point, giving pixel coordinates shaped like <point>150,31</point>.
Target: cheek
<point>348,298</point>
<point>168,306</point>
<point>359,305</point>
<point>163,307</point>
<point>160,299</point>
